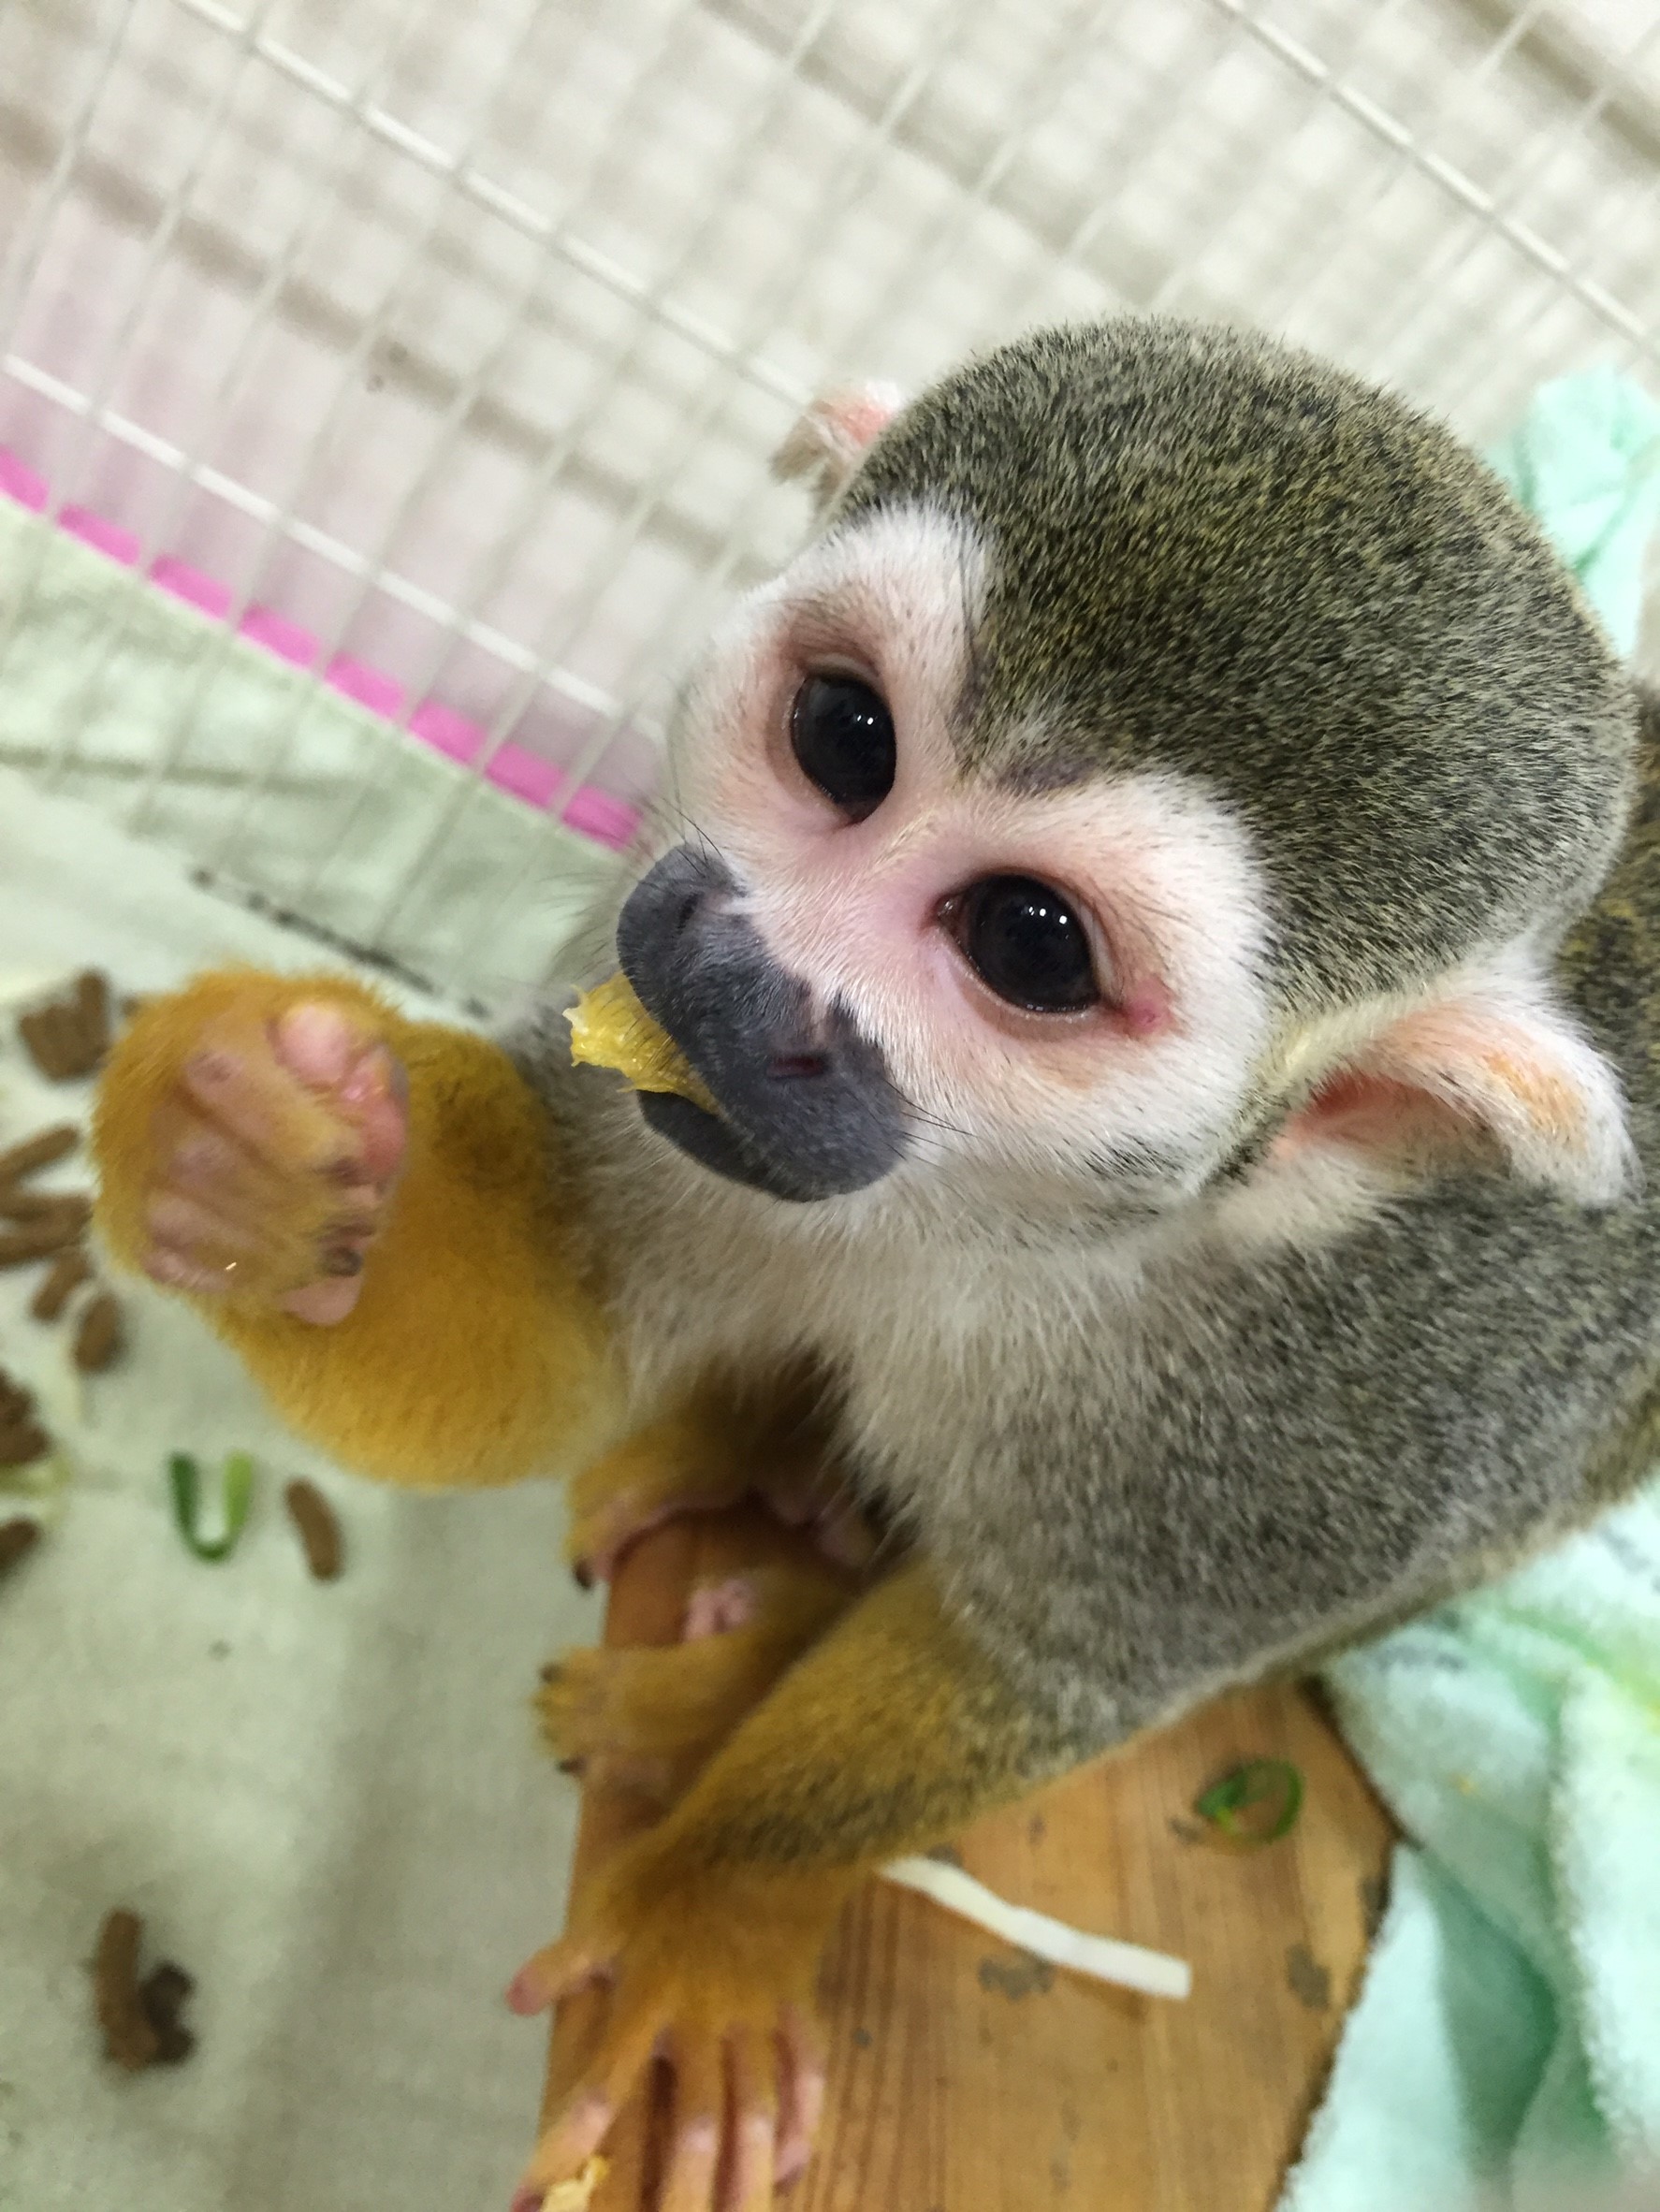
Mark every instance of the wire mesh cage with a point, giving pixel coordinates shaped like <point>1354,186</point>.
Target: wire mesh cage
<point>389,388</point>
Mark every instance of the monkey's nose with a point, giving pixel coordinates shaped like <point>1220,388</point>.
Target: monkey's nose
<point>804,1107</point>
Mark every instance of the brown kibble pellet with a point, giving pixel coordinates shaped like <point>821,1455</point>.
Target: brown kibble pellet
<point>22,1440</point>
<point>39,1240</point>
<point>70,1037</point>
<point>319,1531</point>
<point>49,1041</point>
<point>91,1008</point>
<point>38,1152</point>
<point>71,1207</point>
<point>23,1443</point>
<point>27,1205</point>
<point>129,2038</point>
<point>161,1994</point>
<point>17,1538</point>
<point>97,1338</point>
<point>15,1402</point>
<point>68,1273</point>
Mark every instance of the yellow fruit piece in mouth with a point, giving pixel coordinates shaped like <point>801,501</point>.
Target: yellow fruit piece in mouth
<point>610,1028</point>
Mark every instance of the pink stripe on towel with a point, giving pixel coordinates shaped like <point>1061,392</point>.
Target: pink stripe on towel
<point>525,775</point>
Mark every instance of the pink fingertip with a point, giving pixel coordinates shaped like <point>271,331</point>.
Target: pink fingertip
<point>368,1077</point>
<point>382,1131</point>
<point>314,1042</point>
<point>791,2163</point>
<point>525,1995</point>
<point>177,1273</point>
<point>202,1158</point>
<point>527,2200</point>
<point>183,1224</point>
<point>212,1070</point>
<point>803,2082</point>
<point>325,1303</point>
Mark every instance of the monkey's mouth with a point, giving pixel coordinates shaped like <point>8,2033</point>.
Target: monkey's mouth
<point>715,1144</point>
<point>804,1107</point>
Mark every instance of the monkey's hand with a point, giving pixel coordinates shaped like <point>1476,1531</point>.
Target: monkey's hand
<point>249,1135</point>
<point>709,1453</point>
<point>372,1211</point>
<point>647,1718</point>
<point>889,1735</point>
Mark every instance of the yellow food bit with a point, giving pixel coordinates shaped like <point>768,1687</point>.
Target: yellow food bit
<point>576,2195</point>
<point>610,1028</point>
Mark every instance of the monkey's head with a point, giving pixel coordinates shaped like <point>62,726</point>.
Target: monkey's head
<point>1172,761</point>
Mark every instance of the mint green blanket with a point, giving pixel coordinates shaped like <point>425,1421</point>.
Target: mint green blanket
<point>1505,2052</point>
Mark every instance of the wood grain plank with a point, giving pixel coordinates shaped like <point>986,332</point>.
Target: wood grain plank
<point>968,2077</point>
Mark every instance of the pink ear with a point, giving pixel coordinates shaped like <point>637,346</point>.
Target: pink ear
<point>1498,1067</point>
<point>833,437</point>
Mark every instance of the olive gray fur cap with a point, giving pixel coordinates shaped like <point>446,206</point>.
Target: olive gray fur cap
<point>1212,553</point>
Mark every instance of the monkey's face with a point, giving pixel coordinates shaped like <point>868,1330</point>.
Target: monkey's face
<point>885,962</point>
<point>1163,721</point>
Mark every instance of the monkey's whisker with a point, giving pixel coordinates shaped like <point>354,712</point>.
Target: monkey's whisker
<point>933,1121</point>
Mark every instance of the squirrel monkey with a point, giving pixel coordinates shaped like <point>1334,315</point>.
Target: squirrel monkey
<point>1170,941</point>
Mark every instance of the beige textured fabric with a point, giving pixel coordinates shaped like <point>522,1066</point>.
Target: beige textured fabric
<point>327,1801</point>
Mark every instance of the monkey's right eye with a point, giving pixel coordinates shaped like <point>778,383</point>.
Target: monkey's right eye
<point>843,736</point>
<point>1025,942</point>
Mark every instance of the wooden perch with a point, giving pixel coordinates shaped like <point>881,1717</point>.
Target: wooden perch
<point>967,2077</point>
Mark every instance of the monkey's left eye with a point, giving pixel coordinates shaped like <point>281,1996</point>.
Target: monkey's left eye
<point>1024,941</point>
<point>843,736</point>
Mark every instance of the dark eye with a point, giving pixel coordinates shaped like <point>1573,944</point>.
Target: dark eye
<point>843,739</point>
<point>1026,943</point>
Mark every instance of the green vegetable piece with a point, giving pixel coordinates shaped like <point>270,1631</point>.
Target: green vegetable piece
<point>185,1478</point>
<point>1256,1803</point>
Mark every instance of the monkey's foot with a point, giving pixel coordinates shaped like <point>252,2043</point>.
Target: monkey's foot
<point>810,1495</point>
<point>649,1477</point>
<point>713,1970</point>
<point>637,1720</point>
<point>677,1466</point>
<point>273,1158</point>
<point>649,1717</point>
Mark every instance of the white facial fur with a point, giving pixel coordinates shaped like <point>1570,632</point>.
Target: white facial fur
<point>1141,1092</point>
